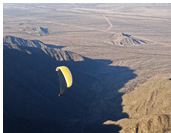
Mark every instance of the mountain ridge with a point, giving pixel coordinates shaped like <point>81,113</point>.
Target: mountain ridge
<point>12,42</point>
<point>22,42</point>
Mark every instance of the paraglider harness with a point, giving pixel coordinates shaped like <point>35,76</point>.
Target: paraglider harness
<point>60,94</point>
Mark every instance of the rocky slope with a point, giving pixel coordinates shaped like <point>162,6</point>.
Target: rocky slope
<point>22,42</point>
<point>148,107</point>
<point>27,46</point>
<point>33,30</point>
<point>126,40</point>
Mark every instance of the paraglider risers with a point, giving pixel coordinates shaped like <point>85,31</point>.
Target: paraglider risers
<point>65,78</point>
<point>60,95</point>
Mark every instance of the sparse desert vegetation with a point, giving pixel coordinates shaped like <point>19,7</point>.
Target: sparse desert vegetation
<point>120,55</point>
<point>150,112</point>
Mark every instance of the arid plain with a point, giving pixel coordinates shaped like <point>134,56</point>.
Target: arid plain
<point>134,36</point>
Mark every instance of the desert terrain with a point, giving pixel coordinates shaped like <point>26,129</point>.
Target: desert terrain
<point>120,55</point>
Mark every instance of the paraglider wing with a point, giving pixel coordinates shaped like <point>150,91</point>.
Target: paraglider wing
<point>65,78</point>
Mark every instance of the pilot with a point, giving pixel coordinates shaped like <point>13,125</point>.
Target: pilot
<point>60,94</point>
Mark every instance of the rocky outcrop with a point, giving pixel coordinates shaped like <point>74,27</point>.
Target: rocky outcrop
<point>148,107</point>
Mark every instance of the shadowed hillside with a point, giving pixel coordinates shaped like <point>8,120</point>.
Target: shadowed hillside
<point>31,101</point>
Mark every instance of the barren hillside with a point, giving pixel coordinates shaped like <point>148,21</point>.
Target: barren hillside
<point>148,107</point>
<point>126,40</point>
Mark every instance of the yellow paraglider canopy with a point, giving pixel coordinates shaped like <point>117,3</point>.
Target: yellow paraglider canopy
<point>67,75</point>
